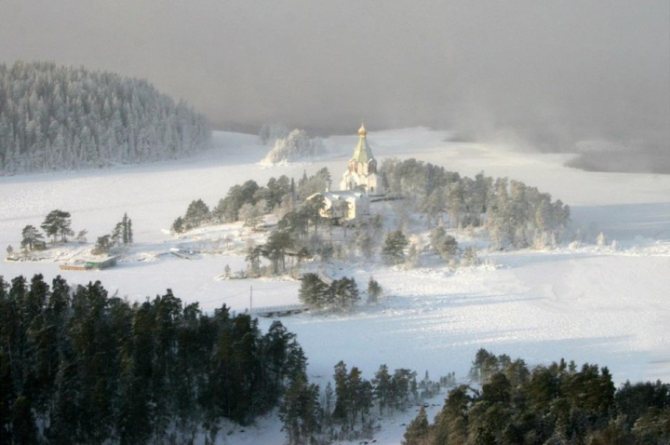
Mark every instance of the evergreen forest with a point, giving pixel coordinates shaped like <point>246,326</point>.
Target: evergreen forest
<point>78,365</point>
<point>55,117</point>
<point>559,404</point>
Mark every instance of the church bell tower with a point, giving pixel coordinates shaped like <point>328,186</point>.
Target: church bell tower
<point>361,173</point>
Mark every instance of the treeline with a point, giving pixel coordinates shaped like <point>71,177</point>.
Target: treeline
<point>80,366</point>
<point>513,214</point>
<point>509,213</point>
<point>556,404</point>
<point>249,201</point>
<point>286,198</point>
<point>55,117</point>
<point>57,226</point>
<point>339,294</point>
<point>352,409</point>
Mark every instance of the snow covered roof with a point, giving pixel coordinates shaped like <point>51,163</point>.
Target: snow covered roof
<point>343,194</point>
<point>362,153</point>
<point>339,194</point>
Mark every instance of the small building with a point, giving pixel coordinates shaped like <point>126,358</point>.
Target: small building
<point>344,205</point>
<point>91,263</point>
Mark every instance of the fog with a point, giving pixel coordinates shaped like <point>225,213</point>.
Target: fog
<point>543,74</point>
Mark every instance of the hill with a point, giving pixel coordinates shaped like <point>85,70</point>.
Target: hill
<point>56,117</point>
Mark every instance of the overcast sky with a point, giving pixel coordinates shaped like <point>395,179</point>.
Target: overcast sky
<point>550,69</point>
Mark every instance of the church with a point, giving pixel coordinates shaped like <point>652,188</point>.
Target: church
<point>359,182</point>
<point>361,174</point>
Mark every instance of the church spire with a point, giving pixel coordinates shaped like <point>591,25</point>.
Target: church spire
<point>362,152</point>
<point>361,171</point>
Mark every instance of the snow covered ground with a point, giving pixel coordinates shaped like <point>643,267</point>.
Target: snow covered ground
<point>587,303</point>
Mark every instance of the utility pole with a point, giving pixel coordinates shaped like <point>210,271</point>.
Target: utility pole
<point>251,296</point>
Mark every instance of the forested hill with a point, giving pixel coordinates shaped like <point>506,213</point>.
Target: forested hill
<point>55,117</point>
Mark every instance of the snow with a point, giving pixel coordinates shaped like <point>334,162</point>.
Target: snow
<point>605,305</point>
<point>538,306</point>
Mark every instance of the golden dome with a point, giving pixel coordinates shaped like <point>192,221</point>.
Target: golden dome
<point>362,131</point>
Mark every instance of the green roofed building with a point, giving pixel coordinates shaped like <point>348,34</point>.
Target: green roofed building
<point>361,174</point>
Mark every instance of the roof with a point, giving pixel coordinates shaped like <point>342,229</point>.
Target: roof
<point>362,153</point>
<point>339,194</point>
<point>344,194</point>
<point>95,258</point>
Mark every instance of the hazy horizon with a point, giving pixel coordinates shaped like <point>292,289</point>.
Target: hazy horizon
<point>549,74</point>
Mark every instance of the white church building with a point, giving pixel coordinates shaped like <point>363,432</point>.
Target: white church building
<point>361,174</point>
<point>359,182</point>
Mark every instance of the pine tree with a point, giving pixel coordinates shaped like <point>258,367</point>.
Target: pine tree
<point>469,257</point>
<point>374,291</point>
<point>57,223</point>
<point>394,246</point>
<point>278,243</point>
<point>196,214</point>
<point>328,405</point>
<point>129,228</point>
<point>276,346</point>
<point>344,292</point>
<point>125,222</point>
<point>313,291</point>
<point>445,245</point>
<point>401,387</point>
<point>361,396</point>
<point>178,225</point>
<point>116,236</point>
<point>342,392</point>
<point>81,236</point>
<point>451,424</point>
<point>418,430</point>
<point>300,412</point>
<point>383,388</point>
<point>102,245</point>
<point>32,239</point>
